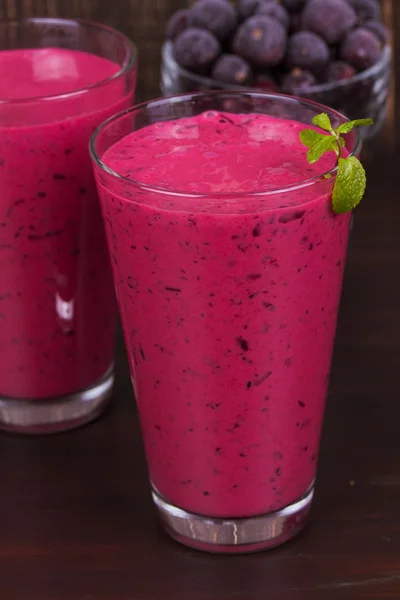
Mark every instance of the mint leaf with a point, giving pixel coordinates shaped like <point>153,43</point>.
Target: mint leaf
<point>347,127</point>
<point>309,137</point>
<point>323,121</point>
<point>326,143</point>
<point>349,185</point>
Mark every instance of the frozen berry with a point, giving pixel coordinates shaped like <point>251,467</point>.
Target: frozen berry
<point>339,70</point>
<point>179,21</point>
<point>361,48</point>
<point>294,5</point>
<point>275,11</point>
<point>331,19</point>
<point>248,8</point>
<point>379,29</point>
<point>266,83</point>
<point>366,9</point>
<point>230,68</point>
<point>217,16</point>
<point>308,51</point>
<point>297,81</point>
<point>261,40</point>
<point>196,49</point>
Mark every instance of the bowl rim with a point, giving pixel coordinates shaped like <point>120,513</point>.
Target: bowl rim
<point>168,58</point>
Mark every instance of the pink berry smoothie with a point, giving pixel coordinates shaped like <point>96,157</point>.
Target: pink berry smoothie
<point>229,305</point>
<point>57,305</point>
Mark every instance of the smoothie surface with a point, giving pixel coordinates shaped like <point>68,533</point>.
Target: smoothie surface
<point>217,153</point>
<point>38,72</point>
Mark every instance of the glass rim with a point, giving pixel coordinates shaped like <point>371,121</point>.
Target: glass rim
<point>223,195</point>
<point>315,89</point>
<point>130,58</point>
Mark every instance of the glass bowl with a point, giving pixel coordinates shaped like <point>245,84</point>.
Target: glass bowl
<point>362,96</point>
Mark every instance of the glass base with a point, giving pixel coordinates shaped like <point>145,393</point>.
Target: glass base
<point>234,536</point>
<point>56,414</point>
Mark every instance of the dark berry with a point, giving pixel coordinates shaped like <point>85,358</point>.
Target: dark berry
<point>361,48</point>
<point>196,49</point>
<point>275,11</point>
<point>294,5</point>
<point>331,19</point>
<point>366,9</point>
<point>230,68</point>
<point>248,8</point>
<point>379,29</point>
<point>261,40</point>
<point>266,83</point>
<point>179,21</point>
<point>297,81</point>
<point>308,51</point>
<point>217,16</point>
<point>339,70</point>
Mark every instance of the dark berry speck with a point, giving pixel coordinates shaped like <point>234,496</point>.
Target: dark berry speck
<point>257,230</point>
<point>291,216</point>
<point>243,344</point>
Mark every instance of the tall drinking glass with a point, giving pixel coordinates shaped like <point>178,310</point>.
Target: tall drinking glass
<point>228,263</point>
<point>59,79</point>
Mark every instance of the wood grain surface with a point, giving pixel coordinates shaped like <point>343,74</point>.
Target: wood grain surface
<point>76,520</point>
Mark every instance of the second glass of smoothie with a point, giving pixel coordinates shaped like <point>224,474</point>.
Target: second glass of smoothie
<point>59,79</point>
<point>228,263</point>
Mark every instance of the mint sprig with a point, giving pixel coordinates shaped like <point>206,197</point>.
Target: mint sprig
<point>351,179</point>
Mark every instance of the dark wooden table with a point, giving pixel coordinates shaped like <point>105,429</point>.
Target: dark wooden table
<point>76,520</point>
